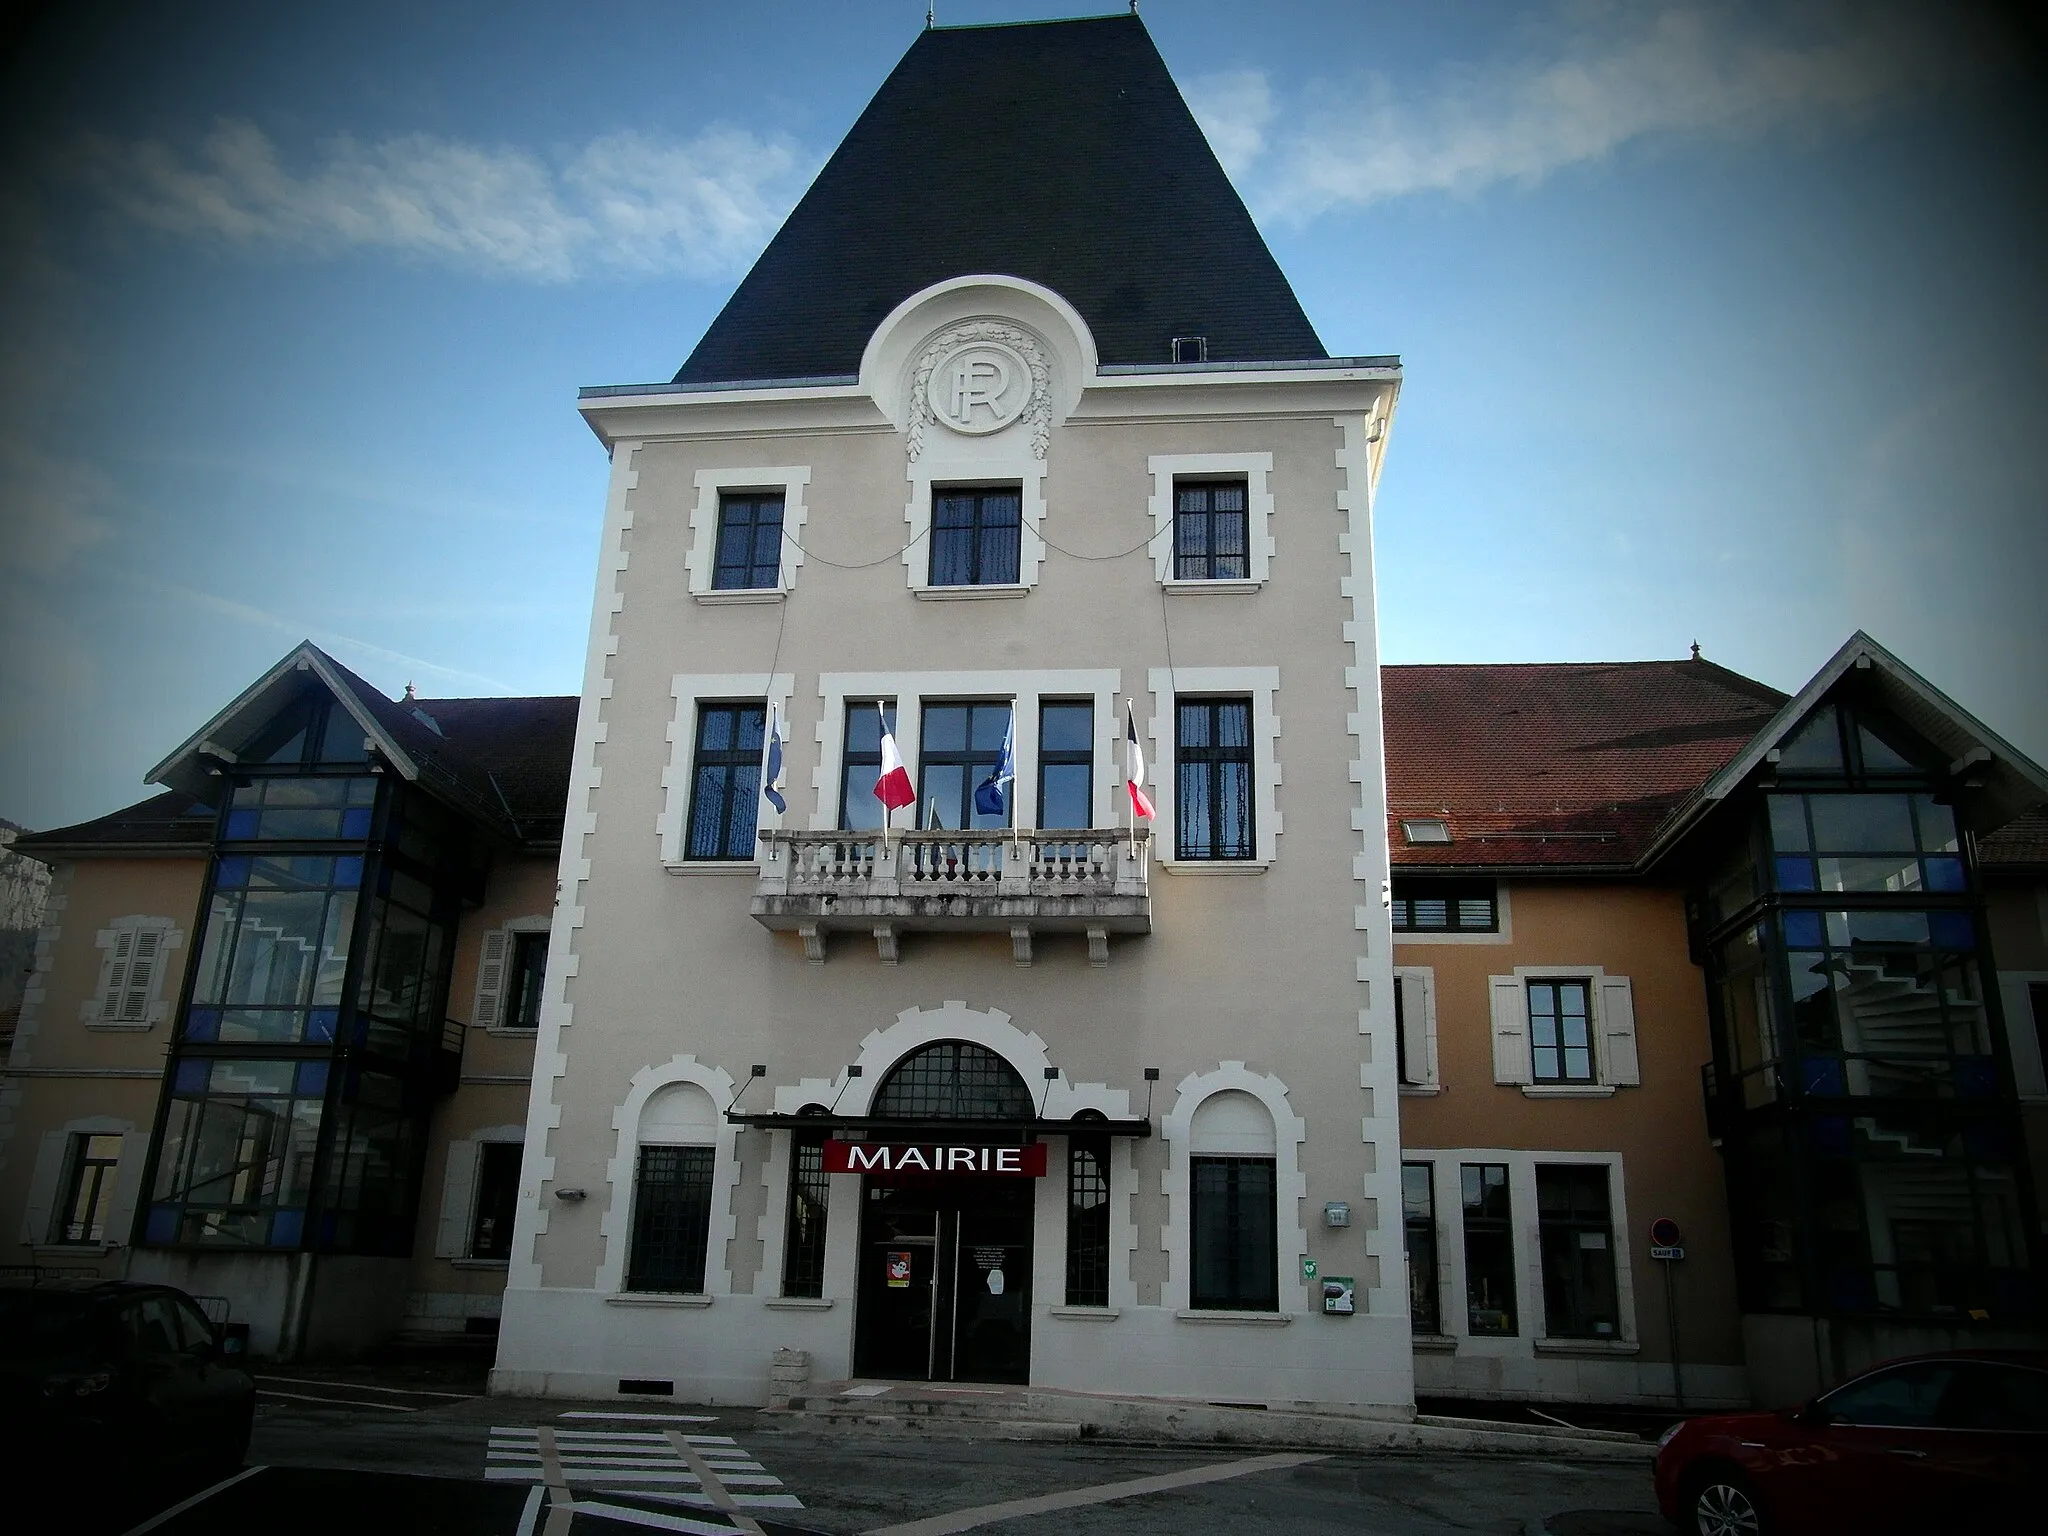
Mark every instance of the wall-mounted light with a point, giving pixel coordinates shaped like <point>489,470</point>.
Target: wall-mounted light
<point>572,1195</point>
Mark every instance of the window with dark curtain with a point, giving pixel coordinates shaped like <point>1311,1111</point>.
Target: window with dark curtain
<point>725,781</point>
<point>1418,1222</point>
<point>497,1200</point>
<point>1210,540</point>
<point>974,536</point>
<point>1489,1249</point>
<point>803,1248</point>
<point>671,1219</point>
<point>1235,1262</point>
<point>1088,1222</point>
<point>1577,1238</point>
<point>1213,779</point>
<point>522,991</point>
<point>749,542</point>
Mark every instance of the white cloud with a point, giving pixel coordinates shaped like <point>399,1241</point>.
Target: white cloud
<point>1626,72</point>
<point>701,207</point>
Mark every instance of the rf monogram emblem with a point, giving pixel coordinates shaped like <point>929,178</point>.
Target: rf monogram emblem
<point>979,387</point>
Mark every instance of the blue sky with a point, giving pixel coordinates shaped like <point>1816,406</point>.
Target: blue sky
<point>1720,322</point>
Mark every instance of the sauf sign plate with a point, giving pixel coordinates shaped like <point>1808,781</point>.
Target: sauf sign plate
<point>939,1158</point>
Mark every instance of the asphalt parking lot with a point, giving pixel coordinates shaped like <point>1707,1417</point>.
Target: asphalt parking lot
<point>368,1459</point>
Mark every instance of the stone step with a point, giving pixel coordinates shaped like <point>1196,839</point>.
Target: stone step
<point>933,1425</point>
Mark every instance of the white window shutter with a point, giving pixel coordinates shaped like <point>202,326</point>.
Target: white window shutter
<point>1510,999</point>
<point>114,975</point>
<point>43,1194</point>
<point>458,1193</point>
<point>1418,1040</point>
<point>127,1185</point>
<point>490,979</point>
<point>135,989</point>
<point>1618,1032</point>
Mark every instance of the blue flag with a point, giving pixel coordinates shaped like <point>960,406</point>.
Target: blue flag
<point>992,794</point>
<point>771,781</point>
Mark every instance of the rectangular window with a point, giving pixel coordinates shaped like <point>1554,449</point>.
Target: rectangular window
<point>1561,1031</point>
<point>974,536</point>
<point>803,1248</point>
<point>497,1200</point>
<point>1213,779</point>
<point>274,949</point>
<point>529,968</point>
<point>1066,765</point>
<point>749,541</point>
<point>1445,906</point>
<point>1489,1249</point>
<point>1088,1222</point>
<point>1210,536</point>
<point>235,1165</point>
<point>957,751</point>
<point>89,1170</point>
<point>725,787</point>
<point>671,1220</point>
<point>300,809</point>
<point>1418,1222</point>
<point>859,810</point>
<point>1235,1261</point>
<point>1894,844</point>
<point>1577,1238</point>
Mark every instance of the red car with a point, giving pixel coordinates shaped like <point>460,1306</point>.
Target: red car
<point>1950,1442</point>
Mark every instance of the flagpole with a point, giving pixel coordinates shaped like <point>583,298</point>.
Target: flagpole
<point>1130,803</point>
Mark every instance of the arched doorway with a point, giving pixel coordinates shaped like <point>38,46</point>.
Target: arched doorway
<point>945,1257</point>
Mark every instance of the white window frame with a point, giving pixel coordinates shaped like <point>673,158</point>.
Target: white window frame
<point>1255,469</point>
<point>615,1226</point>
<point>118,941</point>
<point>46,1184</point>
<point>1525,1227</point>
<point>689,690</point>
<point>701,561</point>
<point>2029,1072</point>
<point>459,1188</point>
<point>928,476</point>
<point>1262,685</point>
<point>1290,1191</point>
<point>493,962</point>
<point>1024,690</point>
<point>1417,984</point>
<point>1611,1005</point>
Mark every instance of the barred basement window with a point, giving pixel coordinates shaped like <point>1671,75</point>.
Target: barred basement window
<point>1235,1258</point>
<point>671,1219</point>
<point>1088,1222</point>
<point>803,1249</point>
<point>1446,906</point>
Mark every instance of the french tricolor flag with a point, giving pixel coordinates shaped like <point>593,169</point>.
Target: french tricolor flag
<point>1134,767</point>
<point>892,785</point>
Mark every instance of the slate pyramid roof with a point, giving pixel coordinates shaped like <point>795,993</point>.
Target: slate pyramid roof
<point>1060,152</point>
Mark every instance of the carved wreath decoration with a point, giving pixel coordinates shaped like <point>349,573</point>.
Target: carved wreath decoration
<point>1038,412</point>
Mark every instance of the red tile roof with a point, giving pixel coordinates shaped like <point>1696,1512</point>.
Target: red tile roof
<point>2019,844</point>
<point>1556,765</point>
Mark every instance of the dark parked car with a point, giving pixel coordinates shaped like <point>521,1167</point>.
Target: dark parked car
<point>116,1382</point>
<point>1951,1442</point>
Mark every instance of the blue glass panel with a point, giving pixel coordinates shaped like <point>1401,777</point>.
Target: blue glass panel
<point>1822,1076</point>
<point>242,824</point>
<point>1952,930</point>
<point>162,1226</point>
<point>1976,1077</point>
<point>312,1079</point>
<point>1829,1136</point>
<point>191,1077</point>
<point>348,873</point>
<point>1946,875</point>
<point>286,1227</point>
<point>320,1025</point>
<point>202,1024</point>
<point>1802,930</point>
<point>355,823</point>
<point>233,872</point>
<point>1796,875</point>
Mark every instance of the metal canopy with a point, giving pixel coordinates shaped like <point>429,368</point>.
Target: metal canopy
<point>944,1130</point>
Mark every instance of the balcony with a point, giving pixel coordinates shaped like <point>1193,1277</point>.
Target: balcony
<point>1019,883</point>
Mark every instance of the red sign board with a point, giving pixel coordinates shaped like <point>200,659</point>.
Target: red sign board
<point>928,1157</point>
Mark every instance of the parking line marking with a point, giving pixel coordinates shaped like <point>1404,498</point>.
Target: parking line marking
<point>198,1498</point>
<point>334,1402</point>
<point>559,1511</point>
<point>721,1500</point>
<point>1102,1493</point>
<point>654,1518</point>
<point>530,1516</point>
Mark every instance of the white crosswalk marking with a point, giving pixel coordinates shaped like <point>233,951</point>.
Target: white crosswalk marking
<point>642,1464</point>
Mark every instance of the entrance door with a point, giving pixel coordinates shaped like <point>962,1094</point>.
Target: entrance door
<point>945,1280</point>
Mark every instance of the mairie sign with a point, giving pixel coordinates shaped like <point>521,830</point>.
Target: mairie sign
<point>929,1157</point>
